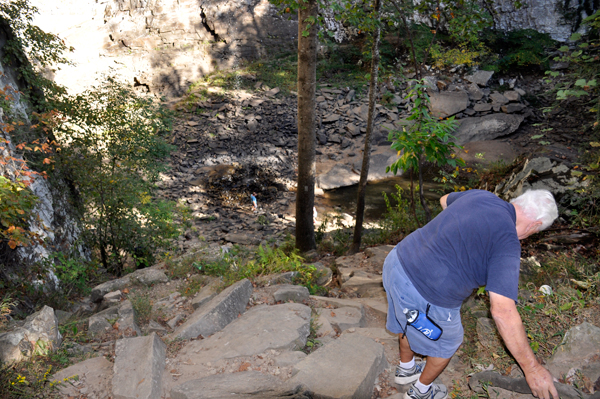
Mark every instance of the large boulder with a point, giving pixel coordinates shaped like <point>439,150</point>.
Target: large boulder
<point>579,350</point>
<point>487,127</point>
<point>38,333</point>
<point>148,276</point>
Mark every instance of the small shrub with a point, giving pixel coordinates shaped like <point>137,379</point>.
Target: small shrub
<point>74,273</point>
<point>114,147</point>
<point>143,308</point>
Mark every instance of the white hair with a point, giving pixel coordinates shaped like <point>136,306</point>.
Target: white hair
<point>538,205</point>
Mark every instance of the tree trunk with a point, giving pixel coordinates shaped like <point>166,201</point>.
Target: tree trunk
<point>422,196</point>
<point>364,172</point>
<point>307,76</point>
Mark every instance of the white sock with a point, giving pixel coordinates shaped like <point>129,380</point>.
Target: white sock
<point>408,365</point>
<point>422,387</point>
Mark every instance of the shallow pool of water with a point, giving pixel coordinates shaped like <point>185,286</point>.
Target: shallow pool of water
<point>345,197</point>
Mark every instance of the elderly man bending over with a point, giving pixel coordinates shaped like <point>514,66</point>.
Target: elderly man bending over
<point>473,242</point>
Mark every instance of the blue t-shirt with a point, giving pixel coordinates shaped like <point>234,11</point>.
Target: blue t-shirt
<point>473,242</point>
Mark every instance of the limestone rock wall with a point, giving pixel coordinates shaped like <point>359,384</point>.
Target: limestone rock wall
<point>163,45</point>
<point>54,217</point>
<point>546,16</point>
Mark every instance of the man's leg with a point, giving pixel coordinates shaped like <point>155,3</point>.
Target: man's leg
<point>433,368</point>
<point>424,375</point>
<point>406,354</point>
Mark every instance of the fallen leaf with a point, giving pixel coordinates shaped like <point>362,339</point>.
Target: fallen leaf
<point>244,366</point>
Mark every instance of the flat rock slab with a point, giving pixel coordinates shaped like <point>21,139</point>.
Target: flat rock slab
<point>487,127</point>
<point>380,335</point>
<point>363,284</point>
<point>207,293</point>
<point>379,305</point>
<point>344,368</point>
<point>247,384</point>
<point>338,176</point>
<point>487,152</point>
<point>296,293</point>
<point>139,364</point>
<point>344,318</point>
<point>280,327</point>
<point>488,334</point>
<point>448,103</point>
<point>242,238</point>
<point>94,375</point>
<point>381,157</point>
<point>216,314</point>
<point>146,276</point>
<point>377,255</point>
<point>337,302</point>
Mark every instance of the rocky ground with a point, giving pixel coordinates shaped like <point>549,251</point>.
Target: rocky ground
<point>271,339</point>
<point>259,338</point>
<point>233,143</point>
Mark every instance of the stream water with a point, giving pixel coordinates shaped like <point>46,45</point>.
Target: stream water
<point>344,198</point>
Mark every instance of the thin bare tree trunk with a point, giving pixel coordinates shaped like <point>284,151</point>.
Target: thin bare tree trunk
<point>421,195</point>
<point>364,172</point>
<point>307,76</point>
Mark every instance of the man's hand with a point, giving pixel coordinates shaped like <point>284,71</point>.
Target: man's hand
<point>541,383</point>
<point>443,202</point>
<point>510,327</point>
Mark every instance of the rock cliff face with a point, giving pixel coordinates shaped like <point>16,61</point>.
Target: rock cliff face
<point>163,45</point>
<point>53,218</point>
<point>546,16</point>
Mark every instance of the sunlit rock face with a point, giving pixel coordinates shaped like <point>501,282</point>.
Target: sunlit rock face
<point>546,16</point>
<point>163,46</point>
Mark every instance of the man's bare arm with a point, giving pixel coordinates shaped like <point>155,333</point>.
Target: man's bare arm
<point>510,326</point>
<point>443,202</point>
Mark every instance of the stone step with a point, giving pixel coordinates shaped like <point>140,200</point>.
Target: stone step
<point>138,369</point>
<point>247,384</point>
<point>344,368</point>
<point>216,314</point>
<point>281,327</point>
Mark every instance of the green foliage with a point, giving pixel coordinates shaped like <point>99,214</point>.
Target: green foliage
<point>426,139</point>
<point>518,50</point>
<point>142,305</point>
<point>16,206</point>
<point>396,220</point>
<point>422,37</point>
<point>237,264</point>
<point>113,149</point>
<point>338,240</point>
<point>74,273</point>
<point>6,305</point>
<point>29,46</point>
